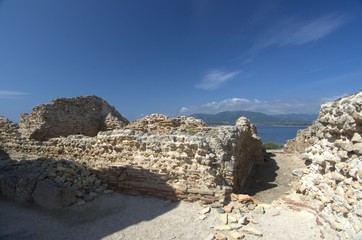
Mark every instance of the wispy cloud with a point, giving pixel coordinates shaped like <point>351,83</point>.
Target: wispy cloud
<point>215,79</point>
<point>348,61</point>
<point>293,32</point>
<point>12,94</point>
<point>268,107</point>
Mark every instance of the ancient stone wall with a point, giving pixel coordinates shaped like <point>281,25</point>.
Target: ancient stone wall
<point>178,158</point>
<point>334,152</point>
<point>69,116</point>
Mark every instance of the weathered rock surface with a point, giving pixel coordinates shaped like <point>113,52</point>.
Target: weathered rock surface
<point>50,196</point>
<point>333,150</point>
<point>52,184</point>
<point>69,116</point>
<point>178,158</point>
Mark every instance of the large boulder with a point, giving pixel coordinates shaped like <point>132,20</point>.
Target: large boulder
<point>18,183</point>
<point>70,116</point>
<point>50,196</point>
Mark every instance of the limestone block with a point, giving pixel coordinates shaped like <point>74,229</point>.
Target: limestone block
<point>357,138</point>
<point>357,148</point>
<point>50,196</point>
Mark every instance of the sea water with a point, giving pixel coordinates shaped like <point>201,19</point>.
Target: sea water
<point>278,134</point>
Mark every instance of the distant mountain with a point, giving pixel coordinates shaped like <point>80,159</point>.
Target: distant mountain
<point>230,117</point>
<point>297,118</point>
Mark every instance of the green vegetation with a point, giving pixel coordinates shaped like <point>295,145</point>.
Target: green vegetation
<point>271,146</point>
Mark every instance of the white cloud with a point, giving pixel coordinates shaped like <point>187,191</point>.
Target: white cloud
<point>291,32</point>
<point>12,94</point>
<point>268,107</point>
<point>215,78</point>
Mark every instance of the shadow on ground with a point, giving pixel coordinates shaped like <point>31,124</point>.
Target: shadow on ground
<point>262,177</point>
<point>97,219</point>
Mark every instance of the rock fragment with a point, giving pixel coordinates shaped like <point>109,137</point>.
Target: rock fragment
<point>252,231</point>
<point>223,218</point>
<point>236,235</point>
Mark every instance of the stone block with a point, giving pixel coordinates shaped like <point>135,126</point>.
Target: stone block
<point>50,196</point>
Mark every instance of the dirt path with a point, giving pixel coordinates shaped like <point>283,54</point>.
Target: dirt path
<point>274,178</point>
<point>118,216</point>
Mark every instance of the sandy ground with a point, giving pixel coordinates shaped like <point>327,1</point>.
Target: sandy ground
<point>117,216</point>
<point>113,216</point>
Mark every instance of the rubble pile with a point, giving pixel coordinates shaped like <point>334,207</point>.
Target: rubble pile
<point>52,184</point>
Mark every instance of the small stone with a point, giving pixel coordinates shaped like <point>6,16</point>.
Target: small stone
<point>252,231</point>
<point>244,198</point>
<point>243,221</point>
<point>210,237</point>
<point>70,171</point>
<point>297,172</point>
<point>91,179</point>
<point>51,174</point>
<point>205,210</point>
<point>277,213</point>
<point>220,210</point>
<point>235,225</point>
<point>216,205</point>
<point>98,182</point>
<point>335,225</point>
<point>223,218</point>
<point>99,190</point>
<point>107,191</point>
<point>229,208</point>
<point>59,180</point>
<point>232,219</point>
<point>251,206</point>
<point>202,217</point>
<point>259,209</point>
<point>93,194</point>
<point>220,236</point>
<point>79,193</point>
<point>234,197</point>
<point>359,174</point>
<point>357,138</point>
<point>236,235</point>
<point>81,202</point>
<point>222,228</point>
<point>252,220</point>
<point>357,148</point>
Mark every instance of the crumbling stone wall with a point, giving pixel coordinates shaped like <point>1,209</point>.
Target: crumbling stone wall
<point>68,116</point>
<point>334,152</point>
<point>179,158</point>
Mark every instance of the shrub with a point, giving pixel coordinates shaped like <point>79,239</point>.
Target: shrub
<point>271,146</point>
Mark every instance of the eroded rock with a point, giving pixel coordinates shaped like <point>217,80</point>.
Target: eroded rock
<point>70,116</point>
<point>332,146</point>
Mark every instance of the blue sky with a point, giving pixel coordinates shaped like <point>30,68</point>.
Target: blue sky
<point>180,57</point>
